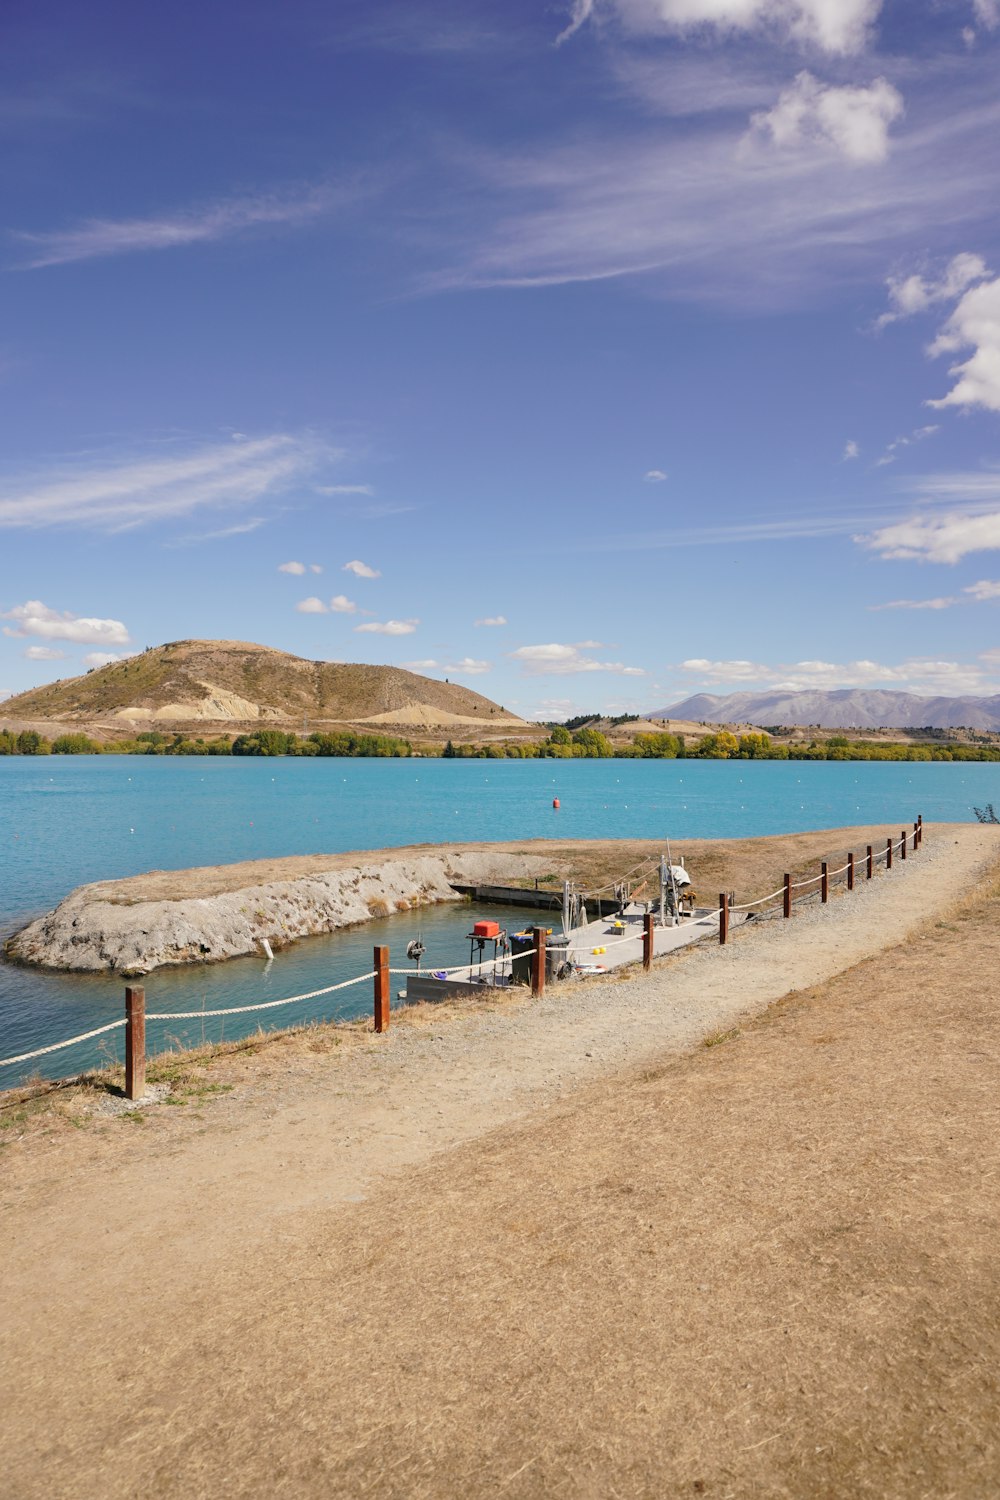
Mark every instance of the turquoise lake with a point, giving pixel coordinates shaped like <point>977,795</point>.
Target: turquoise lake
<point>65,820</point>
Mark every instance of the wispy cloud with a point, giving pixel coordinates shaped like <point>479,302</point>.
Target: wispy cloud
<point>344,489</point>
<point>44,653</point>
<point>98,238</point>
<point>468,666</point>
<point>103,658</point>
<point>554,658</point>
<point>36,618</point>
<point>161,484</point>
<point>851,450</point>
<point>839,27</point>
<point>916,674</point>
<point>918,436</point>
<point>493,620</point>
<point>361,569</point>
<point>388,627</point>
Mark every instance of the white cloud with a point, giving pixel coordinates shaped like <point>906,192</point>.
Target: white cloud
<point>101,658</point>
<point>835,26</point>
<point>311,606</point>
<point>936,538</point>
<point>160,485</point>
<point>344,489</point>
<point>983,592</point>
<point>916,293</point>
<point>941,603</point>
<point>975,324</point>
<point>103,237</point>
<point>493,620</point>
<point>987,13</point>
<point>853,121</point>
<point>361,570</point>
<point>851,450</point>
<point>341,605</point>
<point>917,674</point>
<point>35,618</point>
<point>467,667</point>
<point>296,568</point>
<point>654,476</point>
<point>555,658</point>
<point>986,588</point>
<point>917,436</point>
<point>315,567</point>
<point>44,653</point>
<point>388,627</point>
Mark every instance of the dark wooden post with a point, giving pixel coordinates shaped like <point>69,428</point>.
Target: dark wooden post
<point>888,854</point>
<point>538,961</point>
<point>647,940</point>
<point>850,872</point>
<point>902,843</point>
<point>869,863</point>
<point>920,827</point>
<point>786,906</point>
<point>381,966</point>
<point>723,917</point>
<point>916,837</point>
<point>135,1042</point>
<point>824,883</point>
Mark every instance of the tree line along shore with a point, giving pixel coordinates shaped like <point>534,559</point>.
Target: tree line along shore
<point>561,744</point>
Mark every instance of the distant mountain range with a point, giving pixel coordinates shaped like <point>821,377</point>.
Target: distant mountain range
<point>847,708</point>
<point>222,685</point>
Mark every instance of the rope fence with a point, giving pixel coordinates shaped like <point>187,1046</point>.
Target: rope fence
<point>135,1018</point>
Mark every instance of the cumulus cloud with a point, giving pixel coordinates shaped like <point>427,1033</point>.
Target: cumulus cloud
<point>101,658</point>
<point>361,570</point>
<point>975,324</point>
<point>161,484</point>
<point>836,26</point>
<point>852,120</point>
<point>554,658</point>
<point>35,618</point>
<point>292,567</point>
<point>311,606</point>
<point>44,653</point>
<point>986,588</point>
<point>936,538</point>
<point>467,667</point>
<point>987,13</point>
<point>341,605</point>
<point>388,627</point>
<point>654,476</point>
<point>493,620</point>
<point>916,293</point>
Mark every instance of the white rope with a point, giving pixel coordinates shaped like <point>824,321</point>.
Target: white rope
<point>8,1062</point>
<point>240,1010</point>
<point>760,902</point>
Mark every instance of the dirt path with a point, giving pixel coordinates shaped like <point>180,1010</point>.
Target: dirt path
<point>467,1255</point>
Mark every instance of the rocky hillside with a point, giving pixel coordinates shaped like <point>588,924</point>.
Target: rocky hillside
<point>848,708</point>
<point>222,684</point>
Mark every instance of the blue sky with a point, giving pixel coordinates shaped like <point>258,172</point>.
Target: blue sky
<point>592,354</point>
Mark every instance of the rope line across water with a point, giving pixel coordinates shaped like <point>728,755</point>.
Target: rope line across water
<point>239,1010</point>
<point>7,1062</point>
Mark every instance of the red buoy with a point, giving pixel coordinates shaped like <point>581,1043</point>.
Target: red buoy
<point>555,802</point>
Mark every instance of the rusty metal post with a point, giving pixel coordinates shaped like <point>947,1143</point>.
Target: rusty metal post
<point>850,872</point>
<point>381,967</point>
<point>538,961</point>
<point>902,843</point>
<point>647,940</point>
<point>888,854</point>
<point>135,1042</point>
<point>824,883</point>
<point>786,907</point>
<point>869,863</point>
<point>723,917</point>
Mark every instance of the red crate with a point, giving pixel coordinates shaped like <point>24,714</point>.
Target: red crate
<point>486,929</point>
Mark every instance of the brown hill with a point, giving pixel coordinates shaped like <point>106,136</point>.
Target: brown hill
<point>232,684</point>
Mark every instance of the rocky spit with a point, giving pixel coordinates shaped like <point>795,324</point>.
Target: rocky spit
<point>112,926</point>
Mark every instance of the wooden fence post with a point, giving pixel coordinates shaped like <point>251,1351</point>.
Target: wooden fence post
<point>538,962</point>
<point>902,843</point>
<point>135,1042</point>
<point>786,907</point>
<point>381,967</point>
<point>869,863</point>
<point>916,837</point>
<point>920,827</point>
<point>888,854</point>
<point>723,917</point>
<point>647,940</point>
<point>824,883</point>
<point>850,872</point>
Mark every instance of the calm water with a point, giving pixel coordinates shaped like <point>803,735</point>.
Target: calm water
<point>66,820</point>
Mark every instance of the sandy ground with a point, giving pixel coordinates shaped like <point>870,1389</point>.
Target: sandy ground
<point>561,1248</point>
